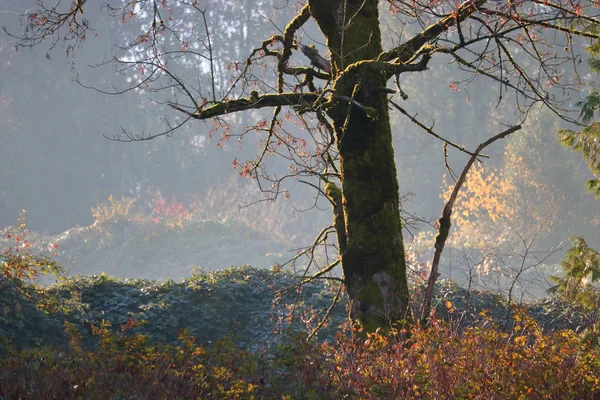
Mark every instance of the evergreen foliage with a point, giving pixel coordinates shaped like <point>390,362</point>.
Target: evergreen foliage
<point>587,141</point>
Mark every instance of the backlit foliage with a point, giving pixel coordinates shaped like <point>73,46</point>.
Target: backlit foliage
<point>581,267</point>
<point>17,259</point>
<point>224,203</point>
<point>172,214</point>
<point>486,200</point>
<point>129,366</point>
<point>536,202</point>
<point>479,363</point>
<point>112,212</point>
<point>495,203</point>
<point>23,305</point>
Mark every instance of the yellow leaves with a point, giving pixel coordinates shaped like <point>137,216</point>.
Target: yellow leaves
<point>491,198</point>
<point>555,359</point>
<point>115,209</point>
<point>517,317</point>
<point>485,198</point>
<point>520,340</point>
<point>199,352</point>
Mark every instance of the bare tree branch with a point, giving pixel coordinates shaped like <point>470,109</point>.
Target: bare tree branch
<point>444,221</point>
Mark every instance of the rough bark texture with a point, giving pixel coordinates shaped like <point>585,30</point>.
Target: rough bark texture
<point>373,261</point>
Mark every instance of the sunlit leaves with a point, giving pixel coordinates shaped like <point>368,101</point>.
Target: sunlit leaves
<point>17,261</point>
<point>477,363</point>
<point>486,199</point>
<point>113,210</point>
<point>173,214</point>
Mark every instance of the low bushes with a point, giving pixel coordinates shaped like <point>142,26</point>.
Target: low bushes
<point>104,338</point>
<point>439,362</point>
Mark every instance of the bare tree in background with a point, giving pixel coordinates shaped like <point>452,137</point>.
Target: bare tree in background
<point>341,99</point>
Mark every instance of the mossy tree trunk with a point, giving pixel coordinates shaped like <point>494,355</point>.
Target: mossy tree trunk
<point>373,255</point>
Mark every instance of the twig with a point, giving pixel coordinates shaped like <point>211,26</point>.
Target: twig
<point>431,132</point>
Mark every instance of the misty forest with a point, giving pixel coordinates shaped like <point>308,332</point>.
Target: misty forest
<point>284,199</point>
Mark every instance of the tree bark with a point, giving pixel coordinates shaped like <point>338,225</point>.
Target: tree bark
<point>373,260</point>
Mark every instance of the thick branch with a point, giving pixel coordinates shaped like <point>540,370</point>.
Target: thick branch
<point>396,68</point>
<point>288,36</point>
<point>250,103</point>
<point>405,51</point>
<point>315,58</point>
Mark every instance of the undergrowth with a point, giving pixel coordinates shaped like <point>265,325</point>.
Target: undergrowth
<point>104,338</point>
<point>439,362</point>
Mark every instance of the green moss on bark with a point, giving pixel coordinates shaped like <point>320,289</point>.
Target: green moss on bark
<point>373,261</point>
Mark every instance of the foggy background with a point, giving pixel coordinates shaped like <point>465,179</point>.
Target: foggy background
<point>57,163</point>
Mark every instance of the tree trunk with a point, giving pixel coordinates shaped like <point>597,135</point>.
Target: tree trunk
<point>373,260</point>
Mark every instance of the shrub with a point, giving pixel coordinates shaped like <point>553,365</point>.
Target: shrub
<point>435,363</point>
<point>24,306</point>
